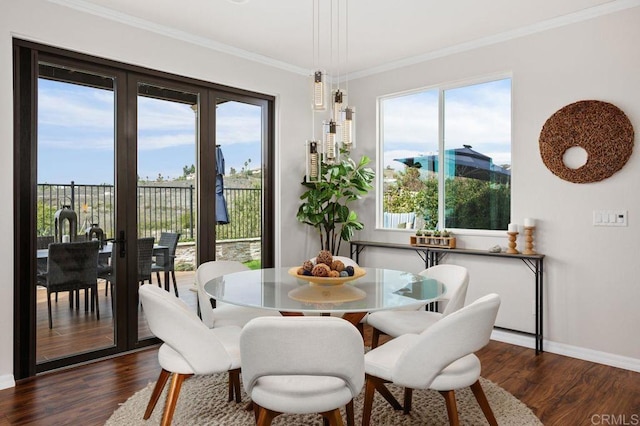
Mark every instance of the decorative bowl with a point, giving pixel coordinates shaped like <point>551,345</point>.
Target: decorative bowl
<point>357,273</point>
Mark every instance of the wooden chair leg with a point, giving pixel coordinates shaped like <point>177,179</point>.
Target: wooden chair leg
<point>155,395</point>
<point>237,391</point>
<point>452,409</point>
<point>231,387</point>
<point>369,391</point>
<point>158,278</point>
<point>256,410</point>
<point>408,394</point>
<point>234,385</point>
<point>351,420</point>
<point>375,338</point>
<point>476,388</point>
<point>334,417</point>
<point>266,416</point>
<point>382,389</point>
<point>172,397</point>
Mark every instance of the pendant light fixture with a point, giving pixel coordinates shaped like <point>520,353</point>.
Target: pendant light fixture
<point>339,130</point>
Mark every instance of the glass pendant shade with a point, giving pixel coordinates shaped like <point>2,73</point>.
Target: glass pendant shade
<point>349,128</point>
<point>318,91</point>
<point>313,161</point>
<point>330,142</point>
<point>337,105</point>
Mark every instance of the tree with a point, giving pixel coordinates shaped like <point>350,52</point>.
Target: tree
<point>187,171</point>
<point>470,203</point>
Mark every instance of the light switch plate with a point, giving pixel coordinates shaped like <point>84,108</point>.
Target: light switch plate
<point>610,218</point>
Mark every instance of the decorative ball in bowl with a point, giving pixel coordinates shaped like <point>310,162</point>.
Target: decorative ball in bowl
<point>357,273</point>
<point>324,269</point>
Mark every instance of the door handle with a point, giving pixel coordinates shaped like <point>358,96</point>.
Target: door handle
<point>121,242</point>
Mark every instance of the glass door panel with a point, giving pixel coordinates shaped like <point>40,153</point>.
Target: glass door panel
<point>239,181</point>
<point>167,137</point>
<point>75,201</point>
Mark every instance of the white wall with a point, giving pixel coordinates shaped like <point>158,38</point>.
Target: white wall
<point>592,274</point>
<point>47,23</point>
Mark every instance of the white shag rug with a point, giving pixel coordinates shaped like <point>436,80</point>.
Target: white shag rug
<point>203,401</point>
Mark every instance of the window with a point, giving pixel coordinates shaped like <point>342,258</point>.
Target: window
<point>467,129</point>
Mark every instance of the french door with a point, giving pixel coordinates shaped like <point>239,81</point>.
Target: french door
<point>123,155</point>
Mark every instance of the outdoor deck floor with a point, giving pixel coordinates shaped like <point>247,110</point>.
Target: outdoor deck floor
<point>77,330</point>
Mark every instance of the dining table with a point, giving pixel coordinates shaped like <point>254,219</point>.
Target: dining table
<point>283,290</point>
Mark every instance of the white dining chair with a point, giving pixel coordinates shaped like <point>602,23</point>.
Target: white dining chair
<point>189,347</point>
<point>440,358</point>
<point>302,365</point>
<point>398,322</point>
<point>223,314</point>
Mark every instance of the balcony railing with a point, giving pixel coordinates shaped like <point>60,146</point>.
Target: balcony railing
<point>160,208</point>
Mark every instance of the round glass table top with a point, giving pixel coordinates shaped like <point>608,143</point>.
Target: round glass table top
<point>276,289</point>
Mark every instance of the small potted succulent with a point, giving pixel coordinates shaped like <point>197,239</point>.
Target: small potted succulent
<point>417,239</point>
<point>445,237</point>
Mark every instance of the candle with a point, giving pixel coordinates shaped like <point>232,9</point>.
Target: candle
<point>512,227</point>
<point>529,223</point>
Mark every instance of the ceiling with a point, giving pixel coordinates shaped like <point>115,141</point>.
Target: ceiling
<point>382,34</point>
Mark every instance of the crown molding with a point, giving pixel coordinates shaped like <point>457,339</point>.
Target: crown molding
<point>166,31</point>
<point>572,18</point>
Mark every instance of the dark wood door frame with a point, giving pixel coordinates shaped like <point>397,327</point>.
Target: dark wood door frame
<point>26,56</point>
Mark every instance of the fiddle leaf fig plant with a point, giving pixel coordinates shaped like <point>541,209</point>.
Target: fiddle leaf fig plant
<point>326,204</point>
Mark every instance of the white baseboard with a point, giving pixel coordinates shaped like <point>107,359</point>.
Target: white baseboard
<point>6,381</point>
<point>585,354</point>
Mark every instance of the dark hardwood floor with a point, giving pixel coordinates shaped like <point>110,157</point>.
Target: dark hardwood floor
<point>560,390</point>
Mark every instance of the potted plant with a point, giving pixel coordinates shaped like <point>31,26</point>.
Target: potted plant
<point>416,239</point>
<point>326,204</point>
<point>436,237</point>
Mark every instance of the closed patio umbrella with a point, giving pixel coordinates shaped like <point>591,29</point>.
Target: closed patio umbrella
<point>222,215</point>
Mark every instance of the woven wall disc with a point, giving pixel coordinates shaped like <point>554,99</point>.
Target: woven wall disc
<point>600,128</point>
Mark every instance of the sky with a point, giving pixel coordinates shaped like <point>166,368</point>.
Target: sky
<point>478,115</point>
<point>76,130</point>
<point>76,135</point>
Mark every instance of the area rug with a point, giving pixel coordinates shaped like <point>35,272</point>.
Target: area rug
<point>203,401</point>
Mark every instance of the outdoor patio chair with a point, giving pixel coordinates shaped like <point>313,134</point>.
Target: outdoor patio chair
<point>42,242</point>
<point>73,267</point>
<point>162,264</point>
<point>145,252</point>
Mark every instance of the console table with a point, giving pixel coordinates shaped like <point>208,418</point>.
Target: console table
<point>433,255</point>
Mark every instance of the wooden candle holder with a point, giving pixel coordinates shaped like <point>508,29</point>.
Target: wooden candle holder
<point>528,240</point>
<point>512,243</point>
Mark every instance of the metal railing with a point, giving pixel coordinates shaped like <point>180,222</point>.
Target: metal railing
<point>160,208</point>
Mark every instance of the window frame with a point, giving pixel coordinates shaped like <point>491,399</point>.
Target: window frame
<point>441,88</point>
